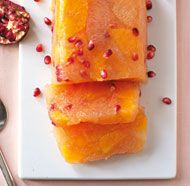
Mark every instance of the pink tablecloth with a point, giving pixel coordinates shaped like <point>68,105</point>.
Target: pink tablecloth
<point>9,89</point>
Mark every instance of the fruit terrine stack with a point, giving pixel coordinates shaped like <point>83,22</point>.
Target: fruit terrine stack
<point>98,52</point>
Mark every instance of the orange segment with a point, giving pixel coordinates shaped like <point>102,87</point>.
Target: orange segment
<point>71,17</point>
<point>103,103</point>
<point>90,142</point>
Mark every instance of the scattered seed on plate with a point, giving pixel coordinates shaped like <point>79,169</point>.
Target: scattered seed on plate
<point>39,48</point>
<point>47,21</point>
<point>37,92</point>
<point>151,48</point>
<point>167,100</point>
<point>149,19</point>
<point>151,74</point>
<point>150,55</point>
<point>53,124</point>
<point>47,60</point>
<point>149,4</point>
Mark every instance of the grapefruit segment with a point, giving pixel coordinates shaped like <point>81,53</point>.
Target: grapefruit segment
<point>90,142</point>
<point>127,11</point>
<point>103,103</point>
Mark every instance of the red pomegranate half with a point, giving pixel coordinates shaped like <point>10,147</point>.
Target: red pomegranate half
<point>14,22</point>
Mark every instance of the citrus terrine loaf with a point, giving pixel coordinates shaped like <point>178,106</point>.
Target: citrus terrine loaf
<point>98,40</point>
<point>99,50</point>
<point>95,102</point>
<point>89,142</point>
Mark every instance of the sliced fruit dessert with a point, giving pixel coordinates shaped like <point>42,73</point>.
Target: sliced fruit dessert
<point>95,40</point>
<point>90,142</point>
<point>97,102</point>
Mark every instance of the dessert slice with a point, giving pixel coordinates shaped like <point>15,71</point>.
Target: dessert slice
<point>90,142</point>
<point>98,40</point>
<point>97,102</point>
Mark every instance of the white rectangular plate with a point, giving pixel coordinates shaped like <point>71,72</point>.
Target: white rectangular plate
<point>39,157</point>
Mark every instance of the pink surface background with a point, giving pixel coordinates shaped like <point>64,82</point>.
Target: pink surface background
<point>9,95</point>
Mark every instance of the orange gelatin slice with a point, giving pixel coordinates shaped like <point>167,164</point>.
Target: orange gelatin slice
<point>98,102</point>
<point>90,142</point>
<point>96,40</point>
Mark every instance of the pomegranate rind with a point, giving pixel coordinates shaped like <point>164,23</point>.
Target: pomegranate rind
<point>93,102</point>
<point>90,142</point>
<point>14,22</point>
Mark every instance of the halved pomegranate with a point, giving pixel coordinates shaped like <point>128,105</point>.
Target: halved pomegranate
<point>14,22</point>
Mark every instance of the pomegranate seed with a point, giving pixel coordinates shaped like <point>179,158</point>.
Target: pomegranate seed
<point>53,124</point>
<point>149,4</point>
<point>59,68</point>
<point>21,27</point>
<point>10,36</point>
<point>4,21</point>
<point>113,87</point>
<point>86,64</point>
<point>150,55</point>
<point>59,78</point>
<point>117,108</point>
<point>135,56</point>
<point>70,60</point>
<point>59,73</point>
<point>37,0</point>
<point>149,19</point>
<point>72,39</point>
<point>78,43</point>
<point>104,74</point>
<point>108,53</point>
<point>91,45</point>
<point>3,31</point>
<point>135,31</point>
<point>66,80</point>
<point>106,35</point>
<point>37,92</point>
<point>167,100</point>
<point>83,73</point>
<point>52,28</point>
<point>47,60</point>
<point>151,74</point>
<point>52,107</point>
<point>80,52</point>
<point>47,21</point>
<point>68,107</point>
<point>39,48</point>
<point>151,48</point>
